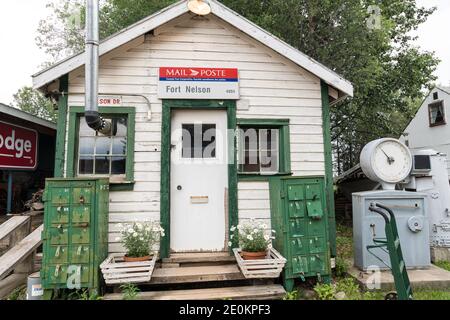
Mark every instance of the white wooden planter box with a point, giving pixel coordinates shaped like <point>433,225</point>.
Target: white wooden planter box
<point>271,267</point>
<point>116,271</point>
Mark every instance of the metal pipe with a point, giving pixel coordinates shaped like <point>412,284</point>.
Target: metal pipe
<point>93,118</point>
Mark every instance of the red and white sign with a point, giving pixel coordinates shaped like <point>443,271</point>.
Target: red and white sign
<point>198,83</point>
<point>18,147</point>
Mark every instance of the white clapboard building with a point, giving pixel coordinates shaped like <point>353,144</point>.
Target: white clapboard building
<point>430,128</point>
<point>173,72</point>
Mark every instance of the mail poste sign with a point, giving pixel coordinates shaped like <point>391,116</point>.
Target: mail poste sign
<point>198,83</point>
<point>18,147</point>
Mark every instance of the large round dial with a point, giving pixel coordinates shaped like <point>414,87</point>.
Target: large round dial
<point>387,161</point>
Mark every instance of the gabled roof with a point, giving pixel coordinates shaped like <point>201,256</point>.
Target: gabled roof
<point>14,112</point>
<point>156,20</point>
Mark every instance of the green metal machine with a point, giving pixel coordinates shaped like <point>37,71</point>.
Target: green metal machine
<point>75,233</point>
<point>300,219</point>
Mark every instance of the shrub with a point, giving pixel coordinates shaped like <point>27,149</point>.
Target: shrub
<point>139,239</point>
<point>252,237</point>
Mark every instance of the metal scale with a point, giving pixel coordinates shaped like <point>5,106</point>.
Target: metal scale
<point>389,162</point>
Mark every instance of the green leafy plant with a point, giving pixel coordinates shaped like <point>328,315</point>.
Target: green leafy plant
<point>252,237</point>
<point>19,293</point>
<point>139,239</point>
<point>341,267</point>
<point>325,291</point>
<point>350,288</point>
<point>293,295</point>
<point>84,295</point>
<point>129,291</point>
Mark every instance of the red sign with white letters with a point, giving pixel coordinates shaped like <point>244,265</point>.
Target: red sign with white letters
<point>18,147</point>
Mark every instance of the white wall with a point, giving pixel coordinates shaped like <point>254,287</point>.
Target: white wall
<point>422,136</point>
<point>273,86</point>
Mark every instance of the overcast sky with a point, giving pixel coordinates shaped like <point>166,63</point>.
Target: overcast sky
<point>20,57</point>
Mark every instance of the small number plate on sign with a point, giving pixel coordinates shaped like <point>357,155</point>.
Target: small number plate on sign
<point>199,200</point>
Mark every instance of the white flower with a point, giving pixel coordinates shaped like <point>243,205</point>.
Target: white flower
<point>232,236</point>
<point>273,238</point>
<point>139,226</point>
<point>249,237</point>
<point>120,226</point>
<point>263,226</point>
<point>230,244</point>
<point>266,237</point>
<point>273,231</point>
<point>130,230</point>
<point>141,238</point>
<point>255,230</point>
<point>148,229</point>
<point>233,228</point>
<point>156,229</point>
<point>163,234</point>
<point>135,235</point>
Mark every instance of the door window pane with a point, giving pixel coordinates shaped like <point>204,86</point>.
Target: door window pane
<point>199,141</point>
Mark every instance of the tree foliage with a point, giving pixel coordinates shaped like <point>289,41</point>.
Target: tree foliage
<point>388,71</point>
<point>29,100</point>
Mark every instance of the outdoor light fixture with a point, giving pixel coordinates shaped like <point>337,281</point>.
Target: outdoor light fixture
<point>199,7</point>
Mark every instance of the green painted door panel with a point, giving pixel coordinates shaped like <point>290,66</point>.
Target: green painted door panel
<point>82,195</point>
<point>297,209</point>
<point>59,254</point>
<point>80,254</point>
<point>57,275</point>
<point>81,214</point>
<point>300,265</point>
<point>81,273</point>
<point>299,246</point>
<point>314,208</point>
<point>60,196</point>
<point>80,236</point>
<point>317,245</point>
<point>296,192</point>
<point>59,235</point>
<point>318,264</point>
<point>316,228</point>
<point>59,214</point>
<point>297,227</point>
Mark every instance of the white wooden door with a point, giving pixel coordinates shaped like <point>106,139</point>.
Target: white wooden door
<point>199,180</point>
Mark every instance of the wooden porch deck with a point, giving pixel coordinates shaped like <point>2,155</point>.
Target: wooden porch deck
<point>210,276</point>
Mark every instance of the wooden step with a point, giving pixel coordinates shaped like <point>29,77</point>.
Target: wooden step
<point>20,252</point>
<point>269,292</point>
<point>12,225</point>
<point>196,274</point>
<point>192,258</point>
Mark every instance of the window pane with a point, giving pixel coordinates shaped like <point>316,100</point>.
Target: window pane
<point>120,127</point>
<point>209,141</point>
<point>102,165</point>
<point>119,146</point>
<point>118,165</point>
<point>85,130</point>
<point>87,146</point>
<point>103,146</point>
<point>437,113</point>
<point>86,165</point>
<point>199,141</point>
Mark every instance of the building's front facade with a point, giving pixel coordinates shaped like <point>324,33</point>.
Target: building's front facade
<point>281,95</point>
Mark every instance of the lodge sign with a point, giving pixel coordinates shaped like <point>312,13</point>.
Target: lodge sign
<point>18,147</point>
<point>198,83</point>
